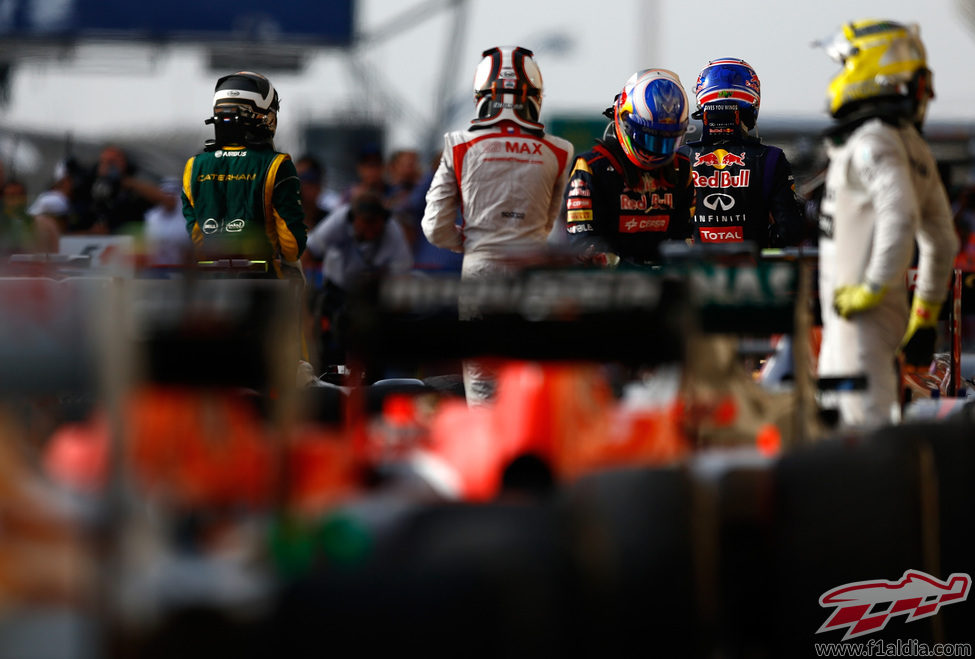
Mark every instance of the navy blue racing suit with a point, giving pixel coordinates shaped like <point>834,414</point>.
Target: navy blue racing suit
<point>745,192</point>
<point>612,206</point>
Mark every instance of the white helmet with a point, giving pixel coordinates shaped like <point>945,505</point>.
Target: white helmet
<point>508,86</point>
<point>252,99</point>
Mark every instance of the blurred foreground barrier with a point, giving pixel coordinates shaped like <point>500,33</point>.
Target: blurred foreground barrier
<point>634,316</point>
<point>214,332</point>
<point>729,554</point>
<point>640,316</point>
<point>49,335</point>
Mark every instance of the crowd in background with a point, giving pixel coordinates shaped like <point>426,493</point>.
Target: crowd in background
<point>112,196</point>
<point>108,197</point>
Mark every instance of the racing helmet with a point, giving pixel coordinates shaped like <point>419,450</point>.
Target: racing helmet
<point>508,86</point>
<point>650,117</point>
<point>247,101</point>
<point>884,63</point>
<point>733,84</point>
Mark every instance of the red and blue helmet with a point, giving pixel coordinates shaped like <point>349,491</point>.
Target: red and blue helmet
<point>650,116</point>
<point>730,80</point>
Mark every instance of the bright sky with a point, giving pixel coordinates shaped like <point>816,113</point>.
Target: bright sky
<point>585,49</point>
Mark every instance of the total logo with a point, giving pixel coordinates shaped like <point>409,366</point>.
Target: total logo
<point>722,235</point>
<point>865,607</point>
<point>719,159</point>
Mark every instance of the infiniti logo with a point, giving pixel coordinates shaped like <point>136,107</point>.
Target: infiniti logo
<point>717,200</point>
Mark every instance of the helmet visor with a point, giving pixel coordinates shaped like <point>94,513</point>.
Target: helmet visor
<point>652,137</point>
<point>837,46</point>
<point>656,143</point>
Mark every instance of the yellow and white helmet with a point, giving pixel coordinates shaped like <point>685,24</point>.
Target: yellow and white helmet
<point>882,61</point>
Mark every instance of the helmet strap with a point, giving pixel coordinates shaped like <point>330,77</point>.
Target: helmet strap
<point>230,128</point>
<point>227,129</point>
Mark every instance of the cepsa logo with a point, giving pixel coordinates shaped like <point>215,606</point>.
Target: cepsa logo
<point>865,607</point>
<point>641,223</point>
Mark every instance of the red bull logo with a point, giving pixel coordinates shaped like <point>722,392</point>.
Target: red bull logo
<point>719,159</point>
<point>644,202</point>
<point>865,607</point>
<point>578,188</point>
<point>709,159</point>
<point>723,179</point>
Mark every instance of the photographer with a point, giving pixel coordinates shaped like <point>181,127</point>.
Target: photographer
<point>118,197</point>
<point>356,241</point>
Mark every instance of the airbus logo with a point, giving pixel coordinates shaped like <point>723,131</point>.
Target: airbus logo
<point>718,200</point>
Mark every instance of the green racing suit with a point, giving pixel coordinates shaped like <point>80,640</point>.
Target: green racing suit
<point>244,202</point>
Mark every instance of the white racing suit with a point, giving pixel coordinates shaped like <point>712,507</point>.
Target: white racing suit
<point>882,194</point>
<point>507,184</point>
